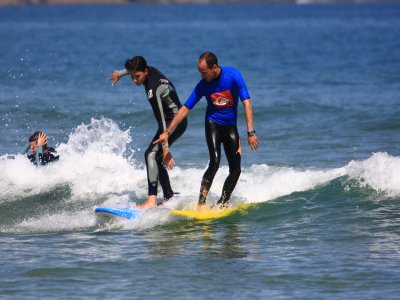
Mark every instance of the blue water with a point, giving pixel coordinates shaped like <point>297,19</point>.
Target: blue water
<point>325,183</point>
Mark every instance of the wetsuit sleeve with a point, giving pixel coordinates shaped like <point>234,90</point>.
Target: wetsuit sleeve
<point>194,97</point>
<point>241,85</point>
<point>25,149</point>
<point>38,153</point>
<point>122,73</point>
<point>163,97</point>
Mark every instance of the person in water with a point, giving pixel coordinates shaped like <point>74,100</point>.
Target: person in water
<point>222,87</point>
<point>165,103</point>
<point>40,153</point>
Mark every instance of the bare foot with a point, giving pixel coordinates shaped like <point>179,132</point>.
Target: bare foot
<point>150,202</point>
<point>202,208</point>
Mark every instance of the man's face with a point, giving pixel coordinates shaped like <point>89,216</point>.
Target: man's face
<point>139,77</point>
<point>208,74</point>
<point>33,146</point>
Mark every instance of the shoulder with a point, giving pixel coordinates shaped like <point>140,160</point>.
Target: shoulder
<point>153,70</point>
<point>201,86</point>
<point>230,71</point>
<point>157,76</point>
<point>233,75</point>
<point>51,155</point>
<point>52,150</point>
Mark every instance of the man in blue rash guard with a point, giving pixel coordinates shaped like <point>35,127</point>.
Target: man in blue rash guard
<point>41,154</point>
<point>222,87</point>
<point>165,103</point>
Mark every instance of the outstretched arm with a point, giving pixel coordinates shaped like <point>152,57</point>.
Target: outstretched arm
<point>251,140</point>
<point>116,75</point>
<point>182,113</point>
<point>25,149</point>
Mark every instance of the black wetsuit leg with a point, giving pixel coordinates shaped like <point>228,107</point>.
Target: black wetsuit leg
<point>215,136</point>
<point>214,140</point>
<point>154,162</point>
<point>231,143</point>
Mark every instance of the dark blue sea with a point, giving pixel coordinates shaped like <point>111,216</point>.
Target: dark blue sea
<point>325,87</point>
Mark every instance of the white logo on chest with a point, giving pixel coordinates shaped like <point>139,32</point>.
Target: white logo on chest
<point>150,94</point>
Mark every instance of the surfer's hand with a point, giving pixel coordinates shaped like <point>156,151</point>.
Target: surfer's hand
<point>253,142</point>
<point>169,162</point>
<point>114,77</point>
<point>42,139</point>
<point>162,138</point>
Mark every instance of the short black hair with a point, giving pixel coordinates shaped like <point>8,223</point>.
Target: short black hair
<point>34,137</point>
<point>136,64</point>
<point>210,59</point>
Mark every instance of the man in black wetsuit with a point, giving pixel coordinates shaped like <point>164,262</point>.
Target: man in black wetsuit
<point>165,103</point>
<point>222,87</point>
<point>41,154</point>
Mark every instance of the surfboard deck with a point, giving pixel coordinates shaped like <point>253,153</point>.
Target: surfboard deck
<point>127,213</point>
<point>211,213</point>
<point>132,213</point>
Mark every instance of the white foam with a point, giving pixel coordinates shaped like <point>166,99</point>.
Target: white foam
<point>94,164</point>
<point>380,172</point>
<point>91,163</point>
<point>65,221</point>
<point>263,183</point>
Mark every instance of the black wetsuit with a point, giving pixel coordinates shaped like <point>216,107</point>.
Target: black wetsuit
<point>228,136</point>
<point>222,95</point>
<point>48,156</point>
<point>165,104</point>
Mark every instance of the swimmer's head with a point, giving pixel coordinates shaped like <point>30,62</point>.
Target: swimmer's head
<point>33,141</point>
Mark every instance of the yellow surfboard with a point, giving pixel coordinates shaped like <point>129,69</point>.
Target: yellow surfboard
<point>211,213</point>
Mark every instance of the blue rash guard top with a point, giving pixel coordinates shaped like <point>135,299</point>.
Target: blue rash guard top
<point>222,96</point>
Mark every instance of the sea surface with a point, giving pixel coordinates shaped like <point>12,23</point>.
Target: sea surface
<point>325,184</point>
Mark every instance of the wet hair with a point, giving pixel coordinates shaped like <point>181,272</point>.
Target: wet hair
<point>210,59</point>
<point>34,137</point>
<point>136,64</point>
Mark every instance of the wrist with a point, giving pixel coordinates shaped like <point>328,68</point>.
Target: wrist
<point>251,133</point>
<point>167,132</point>
<point>122,72</point>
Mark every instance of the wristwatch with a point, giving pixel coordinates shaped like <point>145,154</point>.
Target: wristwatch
<point>251,132</point>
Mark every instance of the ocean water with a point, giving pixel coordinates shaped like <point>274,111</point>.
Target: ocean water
<point>325,184</point>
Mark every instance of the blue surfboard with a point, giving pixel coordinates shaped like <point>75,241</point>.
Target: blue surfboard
<point>127,213</point>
